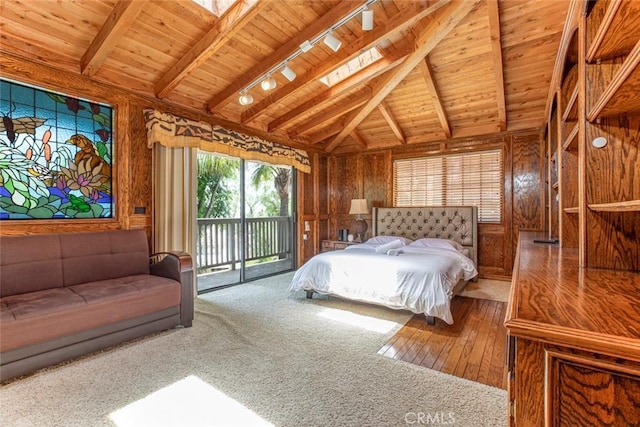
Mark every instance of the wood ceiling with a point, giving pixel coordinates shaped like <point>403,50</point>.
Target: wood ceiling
<point>450,68</point>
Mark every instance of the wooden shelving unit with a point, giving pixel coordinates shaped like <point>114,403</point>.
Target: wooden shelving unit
<point>612,76</point>
<point>616,33</point>
<point>566,304</point>
<point>621,95</point>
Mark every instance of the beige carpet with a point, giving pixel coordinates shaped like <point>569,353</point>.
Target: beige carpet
<point>256,355</point>
<point>496,290</point>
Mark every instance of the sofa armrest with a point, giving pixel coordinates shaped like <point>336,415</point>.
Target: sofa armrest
<point>179,267</point>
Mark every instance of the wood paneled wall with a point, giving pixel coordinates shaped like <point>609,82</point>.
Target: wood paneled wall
<point>369,175</point>
<point>324,195</point>
<point>132,171</point>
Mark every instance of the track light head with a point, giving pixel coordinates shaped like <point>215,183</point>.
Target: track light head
<point>245,98</point>
<point>331,41</point>
<point>268,83</point>
<point>367,20</point>
<point>288,73</point>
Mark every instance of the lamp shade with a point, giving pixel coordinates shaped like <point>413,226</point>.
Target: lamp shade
<point>358,207</point>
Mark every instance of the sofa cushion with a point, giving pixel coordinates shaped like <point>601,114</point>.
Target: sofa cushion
<point>29,264</point>
<point>88,257</point>
<point>40,316</point>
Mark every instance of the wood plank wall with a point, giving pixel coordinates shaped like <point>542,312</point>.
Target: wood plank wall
<point>132,172</point>
<point>369,175</point>
<point>324,195</point>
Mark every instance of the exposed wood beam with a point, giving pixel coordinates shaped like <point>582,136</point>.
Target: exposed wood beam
<point>335,111</point>
<point>400,22</point>
<point>392,122</point>
<point>116,25</point>
<point>489,129</point>
<point>326,132</point>
<point>313,30</point>
<point>239,15</point>
<point>358,79</point>
<point>427,75</point>
<point>496,53</point>
<point>357,137</point>
<point>443,21</point>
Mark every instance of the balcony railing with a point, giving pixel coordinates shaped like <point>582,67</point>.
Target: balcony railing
<point>219,240</point>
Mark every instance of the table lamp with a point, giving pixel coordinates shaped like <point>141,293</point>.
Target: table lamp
<point>359,225</point>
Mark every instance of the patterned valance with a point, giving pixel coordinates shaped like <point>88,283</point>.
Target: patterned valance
<point>174,131</point>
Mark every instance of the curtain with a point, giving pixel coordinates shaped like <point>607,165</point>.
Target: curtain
<point>173,131</point>
<point>175,205</point>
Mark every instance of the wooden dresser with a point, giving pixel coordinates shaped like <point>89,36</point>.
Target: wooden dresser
<point>573,340</point>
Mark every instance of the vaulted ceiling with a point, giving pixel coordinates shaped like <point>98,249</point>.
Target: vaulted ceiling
<point>449,68</point>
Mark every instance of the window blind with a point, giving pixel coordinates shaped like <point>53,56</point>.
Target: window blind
<point>470,179</point>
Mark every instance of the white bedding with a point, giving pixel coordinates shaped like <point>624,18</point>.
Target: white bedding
<point>413,278</point>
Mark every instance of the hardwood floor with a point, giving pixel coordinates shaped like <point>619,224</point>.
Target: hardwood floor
<point>472,348</point>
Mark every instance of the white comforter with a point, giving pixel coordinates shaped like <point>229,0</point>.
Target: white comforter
<point>416,279</point>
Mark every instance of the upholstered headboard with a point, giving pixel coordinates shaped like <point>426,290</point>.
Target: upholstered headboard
<point>457,223</point>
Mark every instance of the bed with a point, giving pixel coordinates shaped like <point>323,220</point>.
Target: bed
<point>417,260</point>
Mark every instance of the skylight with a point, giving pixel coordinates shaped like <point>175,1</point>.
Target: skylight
<point>358,63</point>
<point>217,7</point>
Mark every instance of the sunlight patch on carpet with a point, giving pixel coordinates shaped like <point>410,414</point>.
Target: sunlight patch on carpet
<point>189,401</point>
<point>365,322</point>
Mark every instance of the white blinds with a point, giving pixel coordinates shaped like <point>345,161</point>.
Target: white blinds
<point>470,179</point>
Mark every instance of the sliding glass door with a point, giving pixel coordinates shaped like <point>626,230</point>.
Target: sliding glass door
<point>245,221</point>
<point>268,220</point>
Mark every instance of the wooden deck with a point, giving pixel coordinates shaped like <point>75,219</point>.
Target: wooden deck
<point>472,348</point>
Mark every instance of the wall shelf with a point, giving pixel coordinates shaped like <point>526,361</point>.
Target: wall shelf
<point>628,206</point>
<point>571,143</point>
<point>617,33</point>
<point>571,210</point>
<point>571,111</point>
<point>621,95</point>
<point>554,186</point>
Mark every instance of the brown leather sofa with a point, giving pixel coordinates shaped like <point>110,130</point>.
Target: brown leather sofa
<point>64,295</point>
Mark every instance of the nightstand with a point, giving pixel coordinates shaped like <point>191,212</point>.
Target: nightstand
<point>334,245</point>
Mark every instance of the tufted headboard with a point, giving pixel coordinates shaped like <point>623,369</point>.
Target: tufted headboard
<point>457,223</point>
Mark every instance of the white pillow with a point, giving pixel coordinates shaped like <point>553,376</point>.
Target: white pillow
<point>429,242</point>
<point>385,247</point>
<point>378,240</point>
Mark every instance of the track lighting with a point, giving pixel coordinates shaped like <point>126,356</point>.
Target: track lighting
<point>306,46</point>
<point>268,83</point>
<point>245,98</point>
<point>288,73</point>
<point>331,41</point>
<point>367,19</point>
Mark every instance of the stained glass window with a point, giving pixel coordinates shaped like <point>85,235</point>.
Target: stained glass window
<point>56,155</point>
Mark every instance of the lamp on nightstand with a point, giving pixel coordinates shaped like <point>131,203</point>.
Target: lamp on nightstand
<point>359,225</point>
